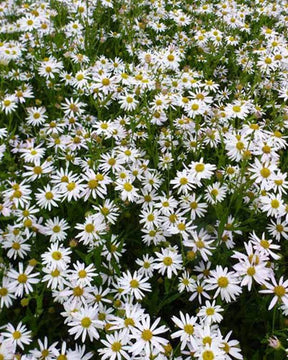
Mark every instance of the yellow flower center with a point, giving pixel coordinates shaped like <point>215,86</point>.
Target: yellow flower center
<point>86,322</point>
<point>167,261</point>
<point>265,244</point>
<point>214,192</point>
<point>105,82</point>
<point>49,195</point>
<point>150,217</point>
<point>207,340</point>
<point>82,274</point>
<point>62,357</point>
<point>129,322</point>
<point>6,102</point>
<point>199,167</point>
<point>71,186</point>
<point>116,346</point>
<point>147,335</point>
<point>275,204</point>
<point>128,187</point>
<point>134,283</point>
<point>22,278</point>
<point>223,281</point>
<point>265,172</point>
<point>210,311</point>
<point>3,291</point>
<point>251,271</point>
<point>89,228</point>
<point>56,229</point>
<point>236,108</point>
<point>183,181</point>
<point>55,273</point>
<point>194,107</point>
<point>16,246</point>
<point>56,255</point>
<point>240,145</point>
<point>16,335</point>
<point>279,290</point>
<point>78,291</point>
<point>189,329</point>
<point>208,355</point>
<point>44,353</point>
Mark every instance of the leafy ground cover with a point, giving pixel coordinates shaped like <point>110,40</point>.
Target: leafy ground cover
<point>143,205</point>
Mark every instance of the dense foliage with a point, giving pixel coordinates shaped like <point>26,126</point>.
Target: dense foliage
<point>143,204</point>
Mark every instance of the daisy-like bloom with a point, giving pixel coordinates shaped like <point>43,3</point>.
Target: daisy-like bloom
<point>54,278</point>
<point>111,162</point>
<point>210,313</point>
<point>36,116</point>
<point>146,265</point>
<point>200,170</point>
<point>72,190</point>
<point>192,204</point>
<point>36,171</point>
<point>166,204</point>
<point>55,228</point>
<point>273,205</point>
<point>128,190</point>
<point>183,182</point>
<point>109,210</point>
<point>80,81</point>
<point>22,281</point>
<point>264,245</point>
<point>252,270</point>
<point>9,104</point>
<point>83,275</point>
<point>195,107</point>
<point>185,282</point>
<point>146,337</point>
<point>44,351</point>
<point>237,109</point>
<point>96,185</point>
<point>128,102</point>
<point>73,107</point>
<point>200,242</point>
<point>236,146</point>
<point>6,293</point>
<point>279,290</point>
<point>199,289</point>
<point>92,229</point>
<point>19,194</point>
<point>32,153</point>
<point>19,336</point>
<point>49,68</point>
<point>57,257</point>
<point>115,346</point>
<point>47,197</point>
<point>215,193</point>
<point>17,246</point>
<point>134,285</point>
<point>263,174</point>
<point>113,249</point>
<point>85,322</point>
<point>188,329</point>
<point>149,217</point>
<point>210,352</point>
<point>168,261</point>
<point>225,282</point>
<point>278,229</point>
<point>231,348</point>
<point>7,349</point>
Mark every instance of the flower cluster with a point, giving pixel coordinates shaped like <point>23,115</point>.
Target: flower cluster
<point>144,180</point>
